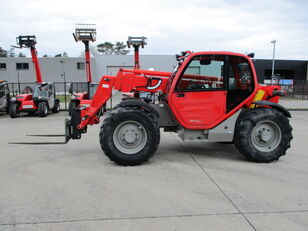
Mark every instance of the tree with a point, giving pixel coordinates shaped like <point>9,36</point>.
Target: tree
<point>45,56</point>
<point>12,52</point>
<point>21,54</point>
<point>108,48</point>
<point>3,53</point>
<point>64,55</point>
<point>119,49</point>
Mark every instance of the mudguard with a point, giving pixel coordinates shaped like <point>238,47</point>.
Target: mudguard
<point>134,102</point>
<point>276,106</point>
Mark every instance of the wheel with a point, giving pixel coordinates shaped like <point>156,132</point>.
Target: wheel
<point>56,107</point>
<point>71,106</point>
<point>263,134</point>
<point>129,136</point>
<point>42,109</point>
<point>13,110</point>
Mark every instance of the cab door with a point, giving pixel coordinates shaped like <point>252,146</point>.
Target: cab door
<point>198,99</point>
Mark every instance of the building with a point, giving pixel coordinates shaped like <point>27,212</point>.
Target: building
<point>53,69</point>
<point>284,69</point>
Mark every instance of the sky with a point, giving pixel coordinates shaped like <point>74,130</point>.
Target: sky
<point>171,26</point>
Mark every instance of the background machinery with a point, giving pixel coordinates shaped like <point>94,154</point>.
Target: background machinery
<point>43,97</point>
<point>208,97</point>
<point>4,96</point>
<point>84,33</point>
<point>136,42</point>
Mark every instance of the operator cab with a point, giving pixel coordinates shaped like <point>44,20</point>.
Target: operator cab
<point>209,85</point>
<point>40,90</point>
<point>45,91</point>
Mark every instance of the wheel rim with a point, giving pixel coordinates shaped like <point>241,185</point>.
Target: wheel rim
<point>266,136</point>
<point>130,137</point>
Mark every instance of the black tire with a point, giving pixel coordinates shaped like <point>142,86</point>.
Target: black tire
<point>56,107</point>
<point>115,149</point>
<point>13,110</point>
<point>42,109</point>
<point>71,106</point>
<point>263,134</point>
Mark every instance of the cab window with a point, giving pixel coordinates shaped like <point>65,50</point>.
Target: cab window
<point>204,72</point>
<point>241,84</point>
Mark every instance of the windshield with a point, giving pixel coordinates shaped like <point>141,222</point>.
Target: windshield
<point>40,90</point>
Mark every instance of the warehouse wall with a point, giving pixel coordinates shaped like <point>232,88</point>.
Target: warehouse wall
<point>52,70</point>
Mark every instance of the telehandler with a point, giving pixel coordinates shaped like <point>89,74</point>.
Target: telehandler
<point>43,98</point>
<point>84,33</point>
<point>208,97</point>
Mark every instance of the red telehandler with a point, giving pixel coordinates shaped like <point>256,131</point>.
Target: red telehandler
<point>209,96</point>
<point>84,33</point>
<point>43,97</point>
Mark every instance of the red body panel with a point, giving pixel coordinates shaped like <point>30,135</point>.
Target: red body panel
<point>26,102</point>
<point>198,109</point>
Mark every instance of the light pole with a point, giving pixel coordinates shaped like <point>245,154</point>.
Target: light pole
<point>273,64</point>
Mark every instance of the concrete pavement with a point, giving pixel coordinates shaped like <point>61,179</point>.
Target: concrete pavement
<point>185,186</point>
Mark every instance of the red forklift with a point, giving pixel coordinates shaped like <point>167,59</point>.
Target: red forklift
<point>43,97</point>
<point>84,33</point>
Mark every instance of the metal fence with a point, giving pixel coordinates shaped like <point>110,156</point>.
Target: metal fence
<point>297,91</point>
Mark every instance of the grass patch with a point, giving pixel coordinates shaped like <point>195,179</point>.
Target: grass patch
<point>62,98</point>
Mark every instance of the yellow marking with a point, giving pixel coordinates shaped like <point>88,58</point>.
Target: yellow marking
<point>258,96</point>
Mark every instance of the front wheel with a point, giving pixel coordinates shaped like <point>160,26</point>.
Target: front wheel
<point>129,136</point>
<point>42,109</point>
<point>13,110</point>
<point>263,134</point>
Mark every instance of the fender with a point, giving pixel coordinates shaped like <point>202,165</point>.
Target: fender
<point>126,102</point>
<point>276,106</point>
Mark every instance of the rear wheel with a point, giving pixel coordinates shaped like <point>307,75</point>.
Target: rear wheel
<point>129,136</point>
<point>56,107</point>
<point>263,134</point>
<point>13,110</point>
<point>42,109</point>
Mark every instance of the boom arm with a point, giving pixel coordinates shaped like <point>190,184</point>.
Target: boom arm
<point>125,81</point>
<point>88,60</point>
<point>29,41</point>
<point>35,61</point>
